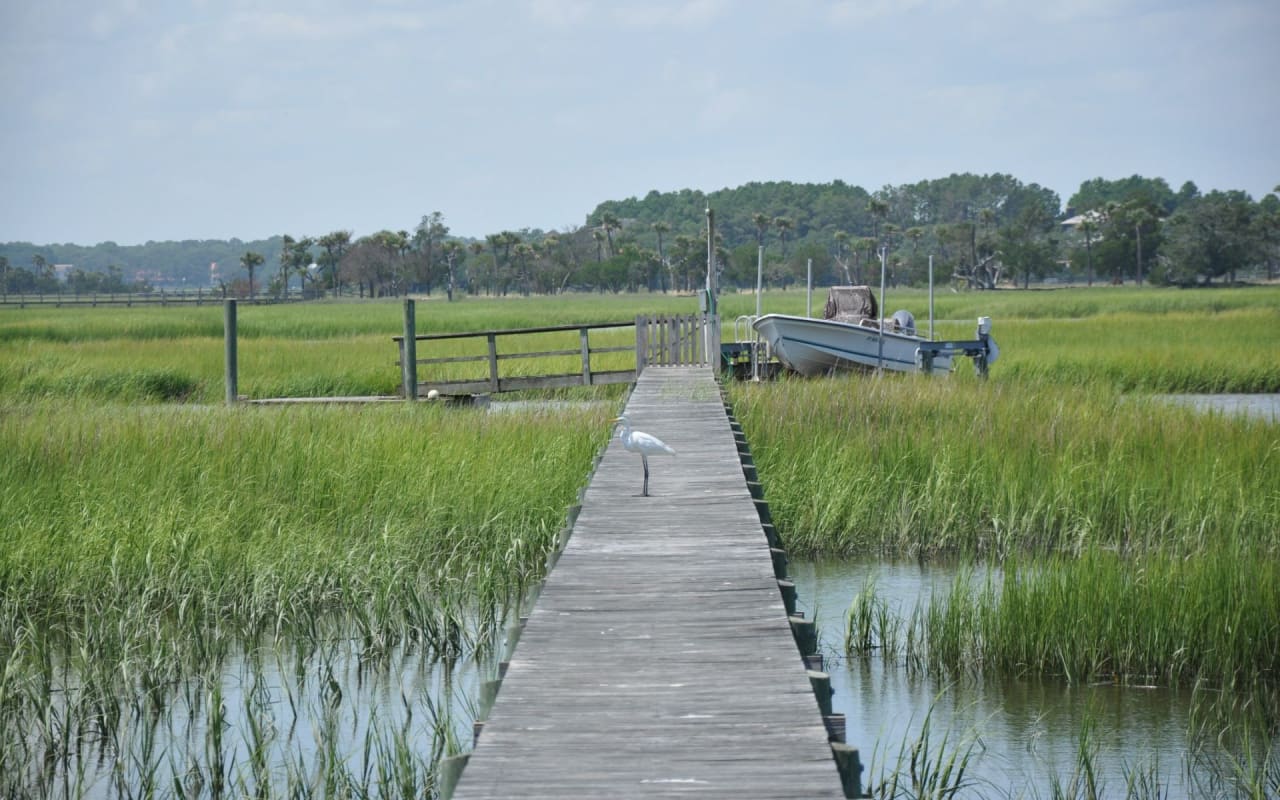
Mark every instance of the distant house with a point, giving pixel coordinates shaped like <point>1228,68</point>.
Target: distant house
<point>1074,223</point>
<point>62,271</point>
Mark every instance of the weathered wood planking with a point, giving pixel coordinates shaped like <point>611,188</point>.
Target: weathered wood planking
<point>658,660</point>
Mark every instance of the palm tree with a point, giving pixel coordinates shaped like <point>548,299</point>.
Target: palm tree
<point>842,244</point>
<point>610,222</point>
<point>1088,227</point>
<point>251,261</point>
<point>523,252</point>
<point>477,250</point>
<point>335,247</point>
<point>784,225</point>
<point>762,223</point>
<point>301,261</point>
<point>286,260</point>
<point>451,250</point>
<point>1141,218</point>
<point>878,209</point>
<point>888,229</point>
<point>660,228</point>
<point>870,243</point>
<point>496,241</point>
<point>915,234</point>
<point>599,237</point>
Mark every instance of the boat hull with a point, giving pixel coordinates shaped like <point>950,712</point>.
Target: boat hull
<point>820,346</point>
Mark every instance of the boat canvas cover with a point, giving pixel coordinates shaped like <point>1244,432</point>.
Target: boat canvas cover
<point>851,304</point>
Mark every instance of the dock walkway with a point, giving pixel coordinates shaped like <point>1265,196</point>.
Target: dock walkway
<point>658,660</point>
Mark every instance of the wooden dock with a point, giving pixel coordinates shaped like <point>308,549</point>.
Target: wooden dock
<point>659,660</point>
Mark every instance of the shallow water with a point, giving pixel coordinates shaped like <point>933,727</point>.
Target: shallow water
<point>294,723</point>
<point>1261,406</point>
<point>329,716</point>
<point>1024,733</point>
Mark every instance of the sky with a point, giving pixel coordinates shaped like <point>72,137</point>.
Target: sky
<point>133,120</point>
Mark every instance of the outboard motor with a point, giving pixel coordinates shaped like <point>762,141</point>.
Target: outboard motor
<point>905,322</point>
<point>984,336</point>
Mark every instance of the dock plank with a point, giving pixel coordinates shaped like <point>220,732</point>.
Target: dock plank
<point>658,660</point>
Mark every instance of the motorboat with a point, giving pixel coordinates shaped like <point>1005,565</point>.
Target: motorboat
<point>853,336</point>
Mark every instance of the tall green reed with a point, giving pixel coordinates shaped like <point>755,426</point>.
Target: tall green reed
<point>141,547</point>
<point>907,465</point>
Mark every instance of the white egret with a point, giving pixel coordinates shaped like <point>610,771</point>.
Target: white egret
<point>644,444</point>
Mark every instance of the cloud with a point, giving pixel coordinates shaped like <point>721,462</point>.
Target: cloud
<point>861,12</point>
<point>684,15</point>
<point>724,108</point>
<point>559,13</point>
<point>108,18</point>
<point>301,27</point>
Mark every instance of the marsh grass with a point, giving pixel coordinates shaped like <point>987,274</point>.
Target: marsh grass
<point>144,547</point>
<point>1157,340</point>
<point>313,350</point>
<point>924,766</point>
<point>1207,621</point>
<point>910,466</point>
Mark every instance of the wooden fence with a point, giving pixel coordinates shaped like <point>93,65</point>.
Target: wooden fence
<point>199,297</point>
<point>677,341</point>
<point>659,341</point>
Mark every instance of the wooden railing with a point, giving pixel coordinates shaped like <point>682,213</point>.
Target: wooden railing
<point>496,381</point>
<point>677,341</point>
<point>659,341</point>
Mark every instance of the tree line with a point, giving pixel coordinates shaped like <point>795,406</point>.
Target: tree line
<point>982,231</point>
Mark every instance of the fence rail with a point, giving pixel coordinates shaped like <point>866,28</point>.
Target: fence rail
<point>659,341</point>
<point>161,298</point>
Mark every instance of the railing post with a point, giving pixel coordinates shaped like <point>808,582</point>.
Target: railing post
<point>493,362</point>
<point>714,321</point>
<point>642,343</point>
<point>409,353</point>
<point>229,334</point>
<point>586,358</point>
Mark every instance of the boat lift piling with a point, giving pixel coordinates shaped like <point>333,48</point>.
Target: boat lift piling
<point>931,333</point>
<point>808,296</point>
<point>880,343</point>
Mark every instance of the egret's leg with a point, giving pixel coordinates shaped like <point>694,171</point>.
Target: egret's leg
<point>645,460</point>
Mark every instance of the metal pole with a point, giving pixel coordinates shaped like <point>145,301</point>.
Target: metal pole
<point>409,367</point>
<point>712,316</point>
<point>880,341</point>
<point>711,261</point>
<point>808,298</point>
<point>229,335</point>
<point>759,276</point>
<point>931,334</point>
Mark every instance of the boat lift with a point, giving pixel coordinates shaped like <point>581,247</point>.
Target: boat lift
<point>982,350</point>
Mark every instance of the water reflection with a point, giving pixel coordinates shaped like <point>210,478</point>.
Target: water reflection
<point>1026,735</point>
<point>275,720</point>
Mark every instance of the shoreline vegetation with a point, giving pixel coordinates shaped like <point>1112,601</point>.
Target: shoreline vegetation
<point>150,535</point>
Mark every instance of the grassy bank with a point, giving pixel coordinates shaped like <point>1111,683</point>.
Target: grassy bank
<point>239,513</point>
<point>1127,339</point>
